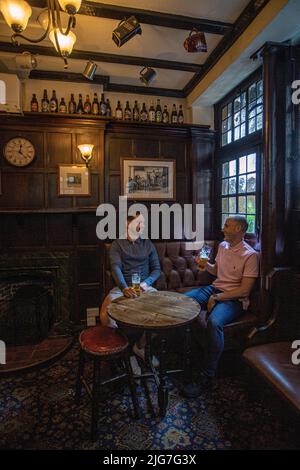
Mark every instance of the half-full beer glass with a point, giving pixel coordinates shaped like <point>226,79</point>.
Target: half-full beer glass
<point>136,283</point>
<point>203,257</point>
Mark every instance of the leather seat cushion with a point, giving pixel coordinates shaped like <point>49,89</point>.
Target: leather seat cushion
<point>102,341</point>
<point>273,362</point>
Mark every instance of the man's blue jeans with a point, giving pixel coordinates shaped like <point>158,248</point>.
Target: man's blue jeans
<point>222,313</point>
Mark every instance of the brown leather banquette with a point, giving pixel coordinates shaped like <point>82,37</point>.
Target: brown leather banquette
<point>179,273</point>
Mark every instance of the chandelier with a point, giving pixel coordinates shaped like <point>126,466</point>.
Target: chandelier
<point>17,13</point>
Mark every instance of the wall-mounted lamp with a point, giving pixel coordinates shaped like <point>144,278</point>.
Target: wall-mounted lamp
<point>147,75</point>
<point>90,70</point>
<point>125,30</point>
<point>86,151</point>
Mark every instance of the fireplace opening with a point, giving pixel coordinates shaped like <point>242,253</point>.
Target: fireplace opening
<point>27,308</point>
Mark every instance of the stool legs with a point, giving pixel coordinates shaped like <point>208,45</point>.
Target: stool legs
<point>131,385</point>
<point>79,376</point>
<point>95,398</point>
<point>187,353</point>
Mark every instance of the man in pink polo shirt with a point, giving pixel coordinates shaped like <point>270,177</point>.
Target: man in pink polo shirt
<point>236,268</point>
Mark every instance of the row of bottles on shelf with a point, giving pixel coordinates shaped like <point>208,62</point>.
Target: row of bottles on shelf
<point>103,108</point>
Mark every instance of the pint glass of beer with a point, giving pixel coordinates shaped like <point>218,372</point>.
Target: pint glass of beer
<point>203,257</point>
<point>136,281</point>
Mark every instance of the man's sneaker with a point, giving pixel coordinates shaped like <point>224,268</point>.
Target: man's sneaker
<point>134,366</point>
<point>140,352</point>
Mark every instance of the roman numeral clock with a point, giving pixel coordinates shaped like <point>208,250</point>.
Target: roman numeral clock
<point>19,152</point>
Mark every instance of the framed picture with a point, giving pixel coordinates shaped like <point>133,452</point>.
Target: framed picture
<point>74,180</point>
<point>143,178</point>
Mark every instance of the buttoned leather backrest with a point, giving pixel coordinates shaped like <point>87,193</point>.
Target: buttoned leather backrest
<point>178,268</point>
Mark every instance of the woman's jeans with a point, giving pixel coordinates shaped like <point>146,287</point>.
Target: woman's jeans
<point>222,313</point>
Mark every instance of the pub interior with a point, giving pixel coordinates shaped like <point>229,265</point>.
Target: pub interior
<point>149,104</point>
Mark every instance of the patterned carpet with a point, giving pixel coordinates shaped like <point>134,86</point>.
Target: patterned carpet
<point>37,411</point>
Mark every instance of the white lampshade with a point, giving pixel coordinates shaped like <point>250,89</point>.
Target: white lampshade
<point>70,6</point>
<point>66,43</point>
<point>16,13</point>
<point>86,149</point>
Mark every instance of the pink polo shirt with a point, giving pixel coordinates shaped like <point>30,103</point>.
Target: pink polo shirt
<point>234,263</point>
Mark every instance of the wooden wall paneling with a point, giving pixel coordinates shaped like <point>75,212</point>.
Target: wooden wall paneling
<point>114,189</point>
<point>22,230</point>
<point>59,230</point>
<point>88,297</point>
<point>59,149</point>
<point>87,224</point>
<point>175,148</point>
<point>22,189</point>
<point>118,147</point>
<point>88,265</point>
<point>146,146</point>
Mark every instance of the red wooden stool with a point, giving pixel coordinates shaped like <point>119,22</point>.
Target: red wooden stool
<point>103,343</point>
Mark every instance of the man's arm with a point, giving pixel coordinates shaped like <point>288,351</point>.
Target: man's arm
<point>116,266</point>
<point>212,268</point>
<point>154,267</point>
<point>243,290</point>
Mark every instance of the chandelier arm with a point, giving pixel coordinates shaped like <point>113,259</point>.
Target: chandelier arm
<point>18,35</point>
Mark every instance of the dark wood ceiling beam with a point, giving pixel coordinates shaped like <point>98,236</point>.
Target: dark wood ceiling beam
<point>142,90</point>
<point>68,77</point>
<point>104,80</point>
<point>103,57</point>
<point>156,18</point>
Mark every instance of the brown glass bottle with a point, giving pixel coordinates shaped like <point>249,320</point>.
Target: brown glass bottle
<point>165,115</point>
<point>144,113</point>
<point>62,106</point>
<point>108,108</point>
<point>80,105</point>
<point>95,105</point>
<point>53,103</point>
<point>136,112</point>
<point>103,106</point>
<point>72,105</point>
<point>87,107</point>
<point>119,111</point>
<point>174,117</point>
<point>45,103</point>
<point>127,112</point>
<point>180,115</point>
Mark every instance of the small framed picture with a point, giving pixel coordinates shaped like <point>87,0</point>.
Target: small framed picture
<point>73,180</point>
<point>145,179</point>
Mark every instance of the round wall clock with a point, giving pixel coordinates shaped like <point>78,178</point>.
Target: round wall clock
<point>19,151</point>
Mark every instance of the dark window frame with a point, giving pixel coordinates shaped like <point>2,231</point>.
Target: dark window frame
<point>251,143</point>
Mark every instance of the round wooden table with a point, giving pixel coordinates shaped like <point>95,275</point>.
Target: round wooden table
<point>158,312</point>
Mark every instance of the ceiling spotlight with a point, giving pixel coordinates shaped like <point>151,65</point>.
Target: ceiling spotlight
<point>90,70</point>
<point>125,30</point>
<point>195,42</point>
<point>147,75</point>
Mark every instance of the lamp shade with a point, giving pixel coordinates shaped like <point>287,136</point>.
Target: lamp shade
<point>70,6</point>
<point>16,13</point>
<point>66,43</point>
<point>86,149</point>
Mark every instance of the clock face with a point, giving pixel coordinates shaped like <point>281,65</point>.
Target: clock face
<point>19,151</point>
